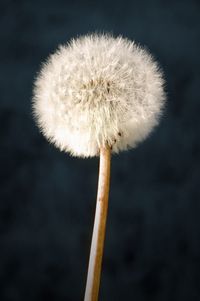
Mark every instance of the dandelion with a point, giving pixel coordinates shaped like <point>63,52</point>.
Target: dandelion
<point>95,96</point>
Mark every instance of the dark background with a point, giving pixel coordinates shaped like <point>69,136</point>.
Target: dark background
<point>47,198</point>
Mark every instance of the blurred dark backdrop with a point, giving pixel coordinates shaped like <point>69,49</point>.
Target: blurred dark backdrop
<point>47,198</point>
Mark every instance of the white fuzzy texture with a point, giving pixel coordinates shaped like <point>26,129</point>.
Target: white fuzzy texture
<point>98,90</point>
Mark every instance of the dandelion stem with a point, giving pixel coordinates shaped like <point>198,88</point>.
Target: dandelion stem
<point>98,236</point>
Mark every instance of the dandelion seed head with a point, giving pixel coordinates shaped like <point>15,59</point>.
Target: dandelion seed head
<point>98,90</point>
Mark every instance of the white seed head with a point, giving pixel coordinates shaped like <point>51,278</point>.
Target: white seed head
<point>98,90</point>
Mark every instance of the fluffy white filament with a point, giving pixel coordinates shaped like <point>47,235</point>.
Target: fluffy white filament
<point>98,90</point>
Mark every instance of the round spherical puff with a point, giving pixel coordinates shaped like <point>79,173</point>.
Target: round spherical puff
<point>98,90</point>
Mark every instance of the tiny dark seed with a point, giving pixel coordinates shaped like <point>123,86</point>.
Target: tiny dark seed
<point>107,143</point>
<point>119,134</point>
